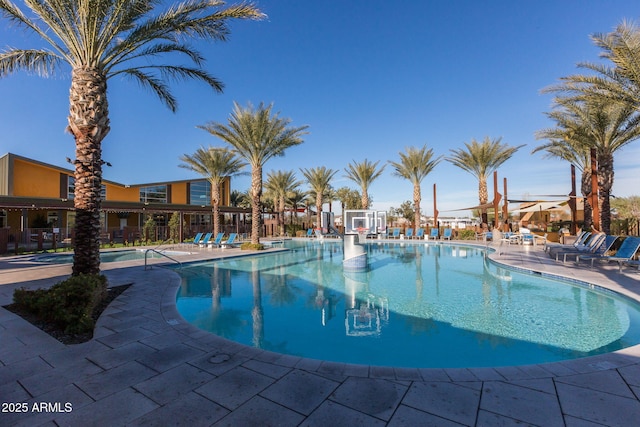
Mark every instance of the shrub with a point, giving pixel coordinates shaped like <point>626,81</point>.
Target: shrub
<point>68,304</point>
<point>248,246</point>
<point>466,234</point>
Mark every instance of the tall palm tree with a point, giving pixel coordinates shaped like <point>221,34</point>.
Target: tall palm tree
<point>319,179</point>
<point>566,142</point>
<point>216,164</point>
<point>618,83</point>
<point>414,165</point>
<point>606,126</point>
<point>280,184</point>
<point>363,174</point>
<point>256,135</point>
<point>481,159</point>
<point>99,40</point>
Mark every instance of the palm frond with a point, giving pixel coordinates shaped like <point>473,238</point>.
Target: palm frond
<point>40,62</point>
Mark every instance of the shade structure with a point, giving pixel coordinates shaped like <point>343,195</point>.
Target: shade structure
<point>543,206</point>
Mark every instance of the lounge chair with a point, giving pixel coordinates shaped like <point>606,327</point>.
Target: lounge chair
<point>419,233</point>
<point>230,242</point>
<point>217,241</point>
<point>205,240</point>
<point>448,232</point>
<point>624,254</point>
<point>580,240</point>
<point>396,233</point>
<point>310,232</point>
<point>599,245</point>
<point>409,233</point>
<point>196,240</point>
<point>434,233</point>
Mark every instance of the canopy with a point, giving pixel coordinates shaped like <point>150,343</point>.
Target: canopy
<point>543,206</point>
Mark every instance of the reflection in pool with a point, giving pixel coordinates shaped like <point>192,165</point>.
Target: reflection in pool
<point>419,305</point>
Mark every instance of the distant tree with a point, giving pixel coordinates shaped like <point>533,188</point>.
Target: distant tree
<point>319,179</point>
<point>407,211</point>
<point>174,226</point>
<point>481,159</point>
<point>257,135</point>
<point>280,185</point>
<point>349,198</point>
<point>363,174</point>
<point>216,165</point>
<point>414,165</point>
<point>99,40</point>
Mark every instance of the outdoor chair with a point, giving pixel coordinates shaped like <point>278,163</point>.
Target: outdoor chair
<point>396,233</point>
<point>419,233</point>
<point>230,242</point>
<point>205,240</point>
<point>448,232</point>
<point>196,240</point>
<point>593,247</point>
<point>624,254</point>
<point>434,233</point>
<point>409,233</point>
<point>217,241</point>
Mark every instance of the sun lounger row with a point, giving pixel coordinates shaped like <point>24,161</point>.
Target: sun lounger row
<point>624,255</point>
<point>204,240</point>
<point>434,233</point>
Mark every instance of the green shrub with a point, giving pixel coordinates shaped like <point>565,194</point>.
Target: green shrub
<point>68,304</point>
<point>466,234</point>
<point>248,246</point>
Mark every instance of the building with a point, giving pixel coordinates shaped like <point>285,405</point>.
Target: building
<point>37,195</point>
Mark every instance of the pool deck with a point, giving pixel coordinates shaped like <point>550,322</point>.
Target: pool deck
<point>147,366</point>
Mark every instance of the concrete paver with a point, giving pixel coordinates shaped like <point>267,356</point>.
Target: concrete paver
<point>147,366</point>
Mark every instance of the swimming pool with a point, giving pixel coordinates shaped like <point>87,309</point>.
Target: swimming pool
<point>109,256</point>
<point>419,305</point>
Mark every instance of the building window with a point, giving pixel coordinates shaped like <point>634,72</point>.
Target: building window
<point>153,194</point>
<point>71,188</point>
<point>200,193</point>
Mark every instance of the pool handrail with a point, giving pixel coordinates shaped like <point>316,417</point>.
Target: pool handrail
<point>146,253</point>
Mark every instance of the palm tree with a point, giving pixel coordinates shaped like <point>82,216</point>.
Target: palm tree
<point>481,159</point>
<point>349,198</point>
<point>606,126</point>
<point>566,142</point>
<point>363,174</point>
<point>280,184</point>
<point>256,135</point>
<point>414,166</point>
<point>620,83</point>
<point>215,164</point>
<point>99,40</point>
<point>319,179</point>
<point>296,200</point>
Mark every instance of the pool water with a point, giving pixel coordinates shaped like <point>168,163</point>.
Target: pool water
<point>110,256</point>
<point>419,305</point>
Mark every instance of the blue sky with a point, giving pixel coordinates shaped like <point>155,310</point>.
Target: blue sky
<point>369,77</point>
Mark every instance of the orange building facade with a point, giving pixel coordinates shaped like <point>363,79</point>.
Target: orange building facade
<point>37,195</point>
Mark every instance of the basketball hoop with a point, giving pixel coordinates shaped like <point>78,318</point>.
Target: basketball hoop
<point>362,234</point>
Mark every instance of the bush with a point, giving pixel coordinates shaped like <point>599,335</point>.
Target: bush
<point>248,246</point>
<point>68,304</point>
<point>466,234</point>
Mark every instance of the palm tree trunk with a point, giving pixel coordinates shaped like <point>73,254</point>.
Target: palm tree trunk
<point>319,210</point>
<point>365,199</point>
<point>281,209</point>
<point>89,124</point>
<point>215,204</point>
<point>417,198</point>
<point>483,197</point>
<point>256,205</point>
<point>605,177</point>
<point>585,189</point>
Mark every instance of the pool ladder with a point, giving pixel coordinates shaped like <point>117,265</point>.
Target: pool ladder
<point>146,253</point>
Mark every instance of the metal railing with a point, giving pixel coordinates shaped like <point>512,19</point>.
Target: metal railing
<point>146,253</point>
